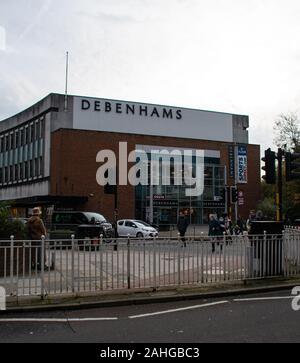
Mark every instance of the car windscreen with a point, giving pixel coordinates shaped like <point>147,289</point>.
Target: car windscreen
<point>143,223</point>
<point>98,218</point>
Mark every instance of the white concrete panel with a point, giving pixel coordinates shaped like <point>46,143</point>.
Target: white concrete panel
<point>147,119</point>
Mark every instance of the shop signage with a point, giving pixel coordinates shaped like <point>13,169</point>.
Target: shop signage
<point>242,164</point>
<point>165,203</point>
<point>231,161</point>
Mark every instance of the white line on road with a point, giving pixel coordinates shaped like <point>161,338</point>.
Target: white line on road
<point>179,309</point>
<point>53,320</point>
<point>264,298</point>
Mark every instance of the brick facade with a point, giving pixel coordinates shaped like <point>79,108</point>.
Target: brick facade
<point>73,167</point>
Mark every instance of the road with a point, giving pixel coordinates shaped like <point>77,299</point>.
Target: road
<point>254,318</point>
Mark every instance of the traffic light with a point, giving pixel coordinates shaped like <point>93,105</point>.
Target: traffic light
<point>233,194</point>
<point>223,194</point>
<point>290,174</point>
<point>269,168</point>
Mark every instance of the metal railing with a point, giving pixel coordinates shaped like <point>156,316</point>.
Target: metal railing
<point>74,266</point>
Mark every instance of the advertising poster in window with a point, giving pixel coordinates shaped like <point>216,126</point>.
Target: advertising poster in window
<point>241,164</point>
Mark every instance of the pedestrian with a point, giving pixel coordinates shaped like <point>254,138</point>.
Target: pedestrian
<point>227,224</point>
<point>35,230</point>
<point>259,216</point>
<point>214,229</point>
<point>240,224</point>
<point>222,225</point>
<point>252,218</point>
<point>182,224</point>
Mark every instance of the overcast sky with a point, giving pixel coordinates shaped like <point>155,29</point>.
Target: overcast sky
<point>239,56</point>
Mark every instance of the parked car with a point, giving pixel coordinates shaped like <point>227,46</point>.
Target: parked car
<point>81,224</point>
<point>135,228</point>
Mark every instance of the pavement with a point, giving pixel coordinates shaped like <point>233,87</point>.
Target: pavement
<point>106,269</point>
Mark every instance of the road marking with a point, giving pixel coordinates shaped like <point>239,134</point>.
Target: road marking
<point>92,319</point>
<point>53,320</point>
<point>264,298</point>
<point>179,309</point>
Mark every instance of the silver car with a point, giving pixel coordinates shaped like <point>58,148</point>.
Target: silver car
<point>135,228</point>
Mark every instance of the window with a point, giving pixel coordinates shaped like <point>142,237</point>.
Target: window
<point>41,129</point>
<point>26,170</point>
<point>31,169</point>
<point>16,172</point>
<point>36,167</point>
<point>17,138</point>
<point>22,171</point>
<point>79,218</point>
<point>41,167</point>
<point>27,135</point>
<point>22,137</point>
<point>129,224</point>
<point>11,141</point>
<point>31,131</point>
<point>11,175</point>
<point>1,144</point>
<point>62,218</point>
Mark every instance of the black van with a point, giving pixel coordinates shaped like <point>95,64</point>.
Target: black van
<point>81,224</point>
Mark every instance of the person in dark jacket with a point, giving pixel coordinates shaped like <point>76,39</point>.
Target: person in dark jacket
<point>182,225</point>
<point>214,226</point>
<point>214,230</point>
<point>35,230</point>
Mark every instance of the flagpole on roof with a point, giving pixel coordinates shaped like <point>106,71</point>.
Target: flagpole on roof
<point>66,85</point>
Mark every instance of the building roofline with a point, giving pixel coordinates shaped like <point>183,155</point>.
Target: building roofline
<point>154,104</point>
<point>27,108</point>
<point>117,100</point>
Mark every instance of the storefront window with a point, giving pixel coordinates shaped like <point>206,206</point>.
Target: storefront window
<point>167,200</point>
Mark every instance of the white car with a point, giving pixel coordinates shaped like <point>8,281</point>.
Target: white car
<point>135,228</point>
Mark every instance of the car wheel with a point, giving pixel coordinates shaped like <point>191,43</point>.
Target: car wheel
<point>139,235</point>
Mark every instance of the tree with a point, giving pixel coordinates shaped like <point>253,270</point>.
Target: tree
<point>287,137</point>
<point>8,226</point>
<point>287,131</point>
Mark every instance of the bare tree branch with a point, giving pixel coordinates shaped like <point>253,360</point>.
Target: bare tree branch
<point>287,131</point>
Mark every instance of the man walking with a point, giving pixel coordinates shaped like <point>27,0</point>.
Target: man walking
<point>214,230</point>
<point>35,230</point>
<point>182,225</point>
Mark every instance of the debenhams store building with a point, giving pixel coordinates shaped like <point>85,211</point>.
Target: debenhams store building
<point>48,158</point>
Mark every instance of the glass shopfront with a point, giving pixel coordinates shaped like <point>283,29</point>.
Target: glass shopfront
<point>160,204</point>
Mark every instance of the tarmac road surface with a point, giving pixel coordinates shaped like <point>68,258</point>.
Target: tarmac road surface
<point>267,317</point>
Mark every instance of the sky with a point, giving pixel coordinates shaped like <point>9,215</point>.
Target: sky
<point>236,56</point>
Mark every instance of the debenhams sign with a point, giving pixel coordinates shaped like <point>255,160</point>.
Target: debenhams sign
<point>129,109</point>
<point>145,119</point>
